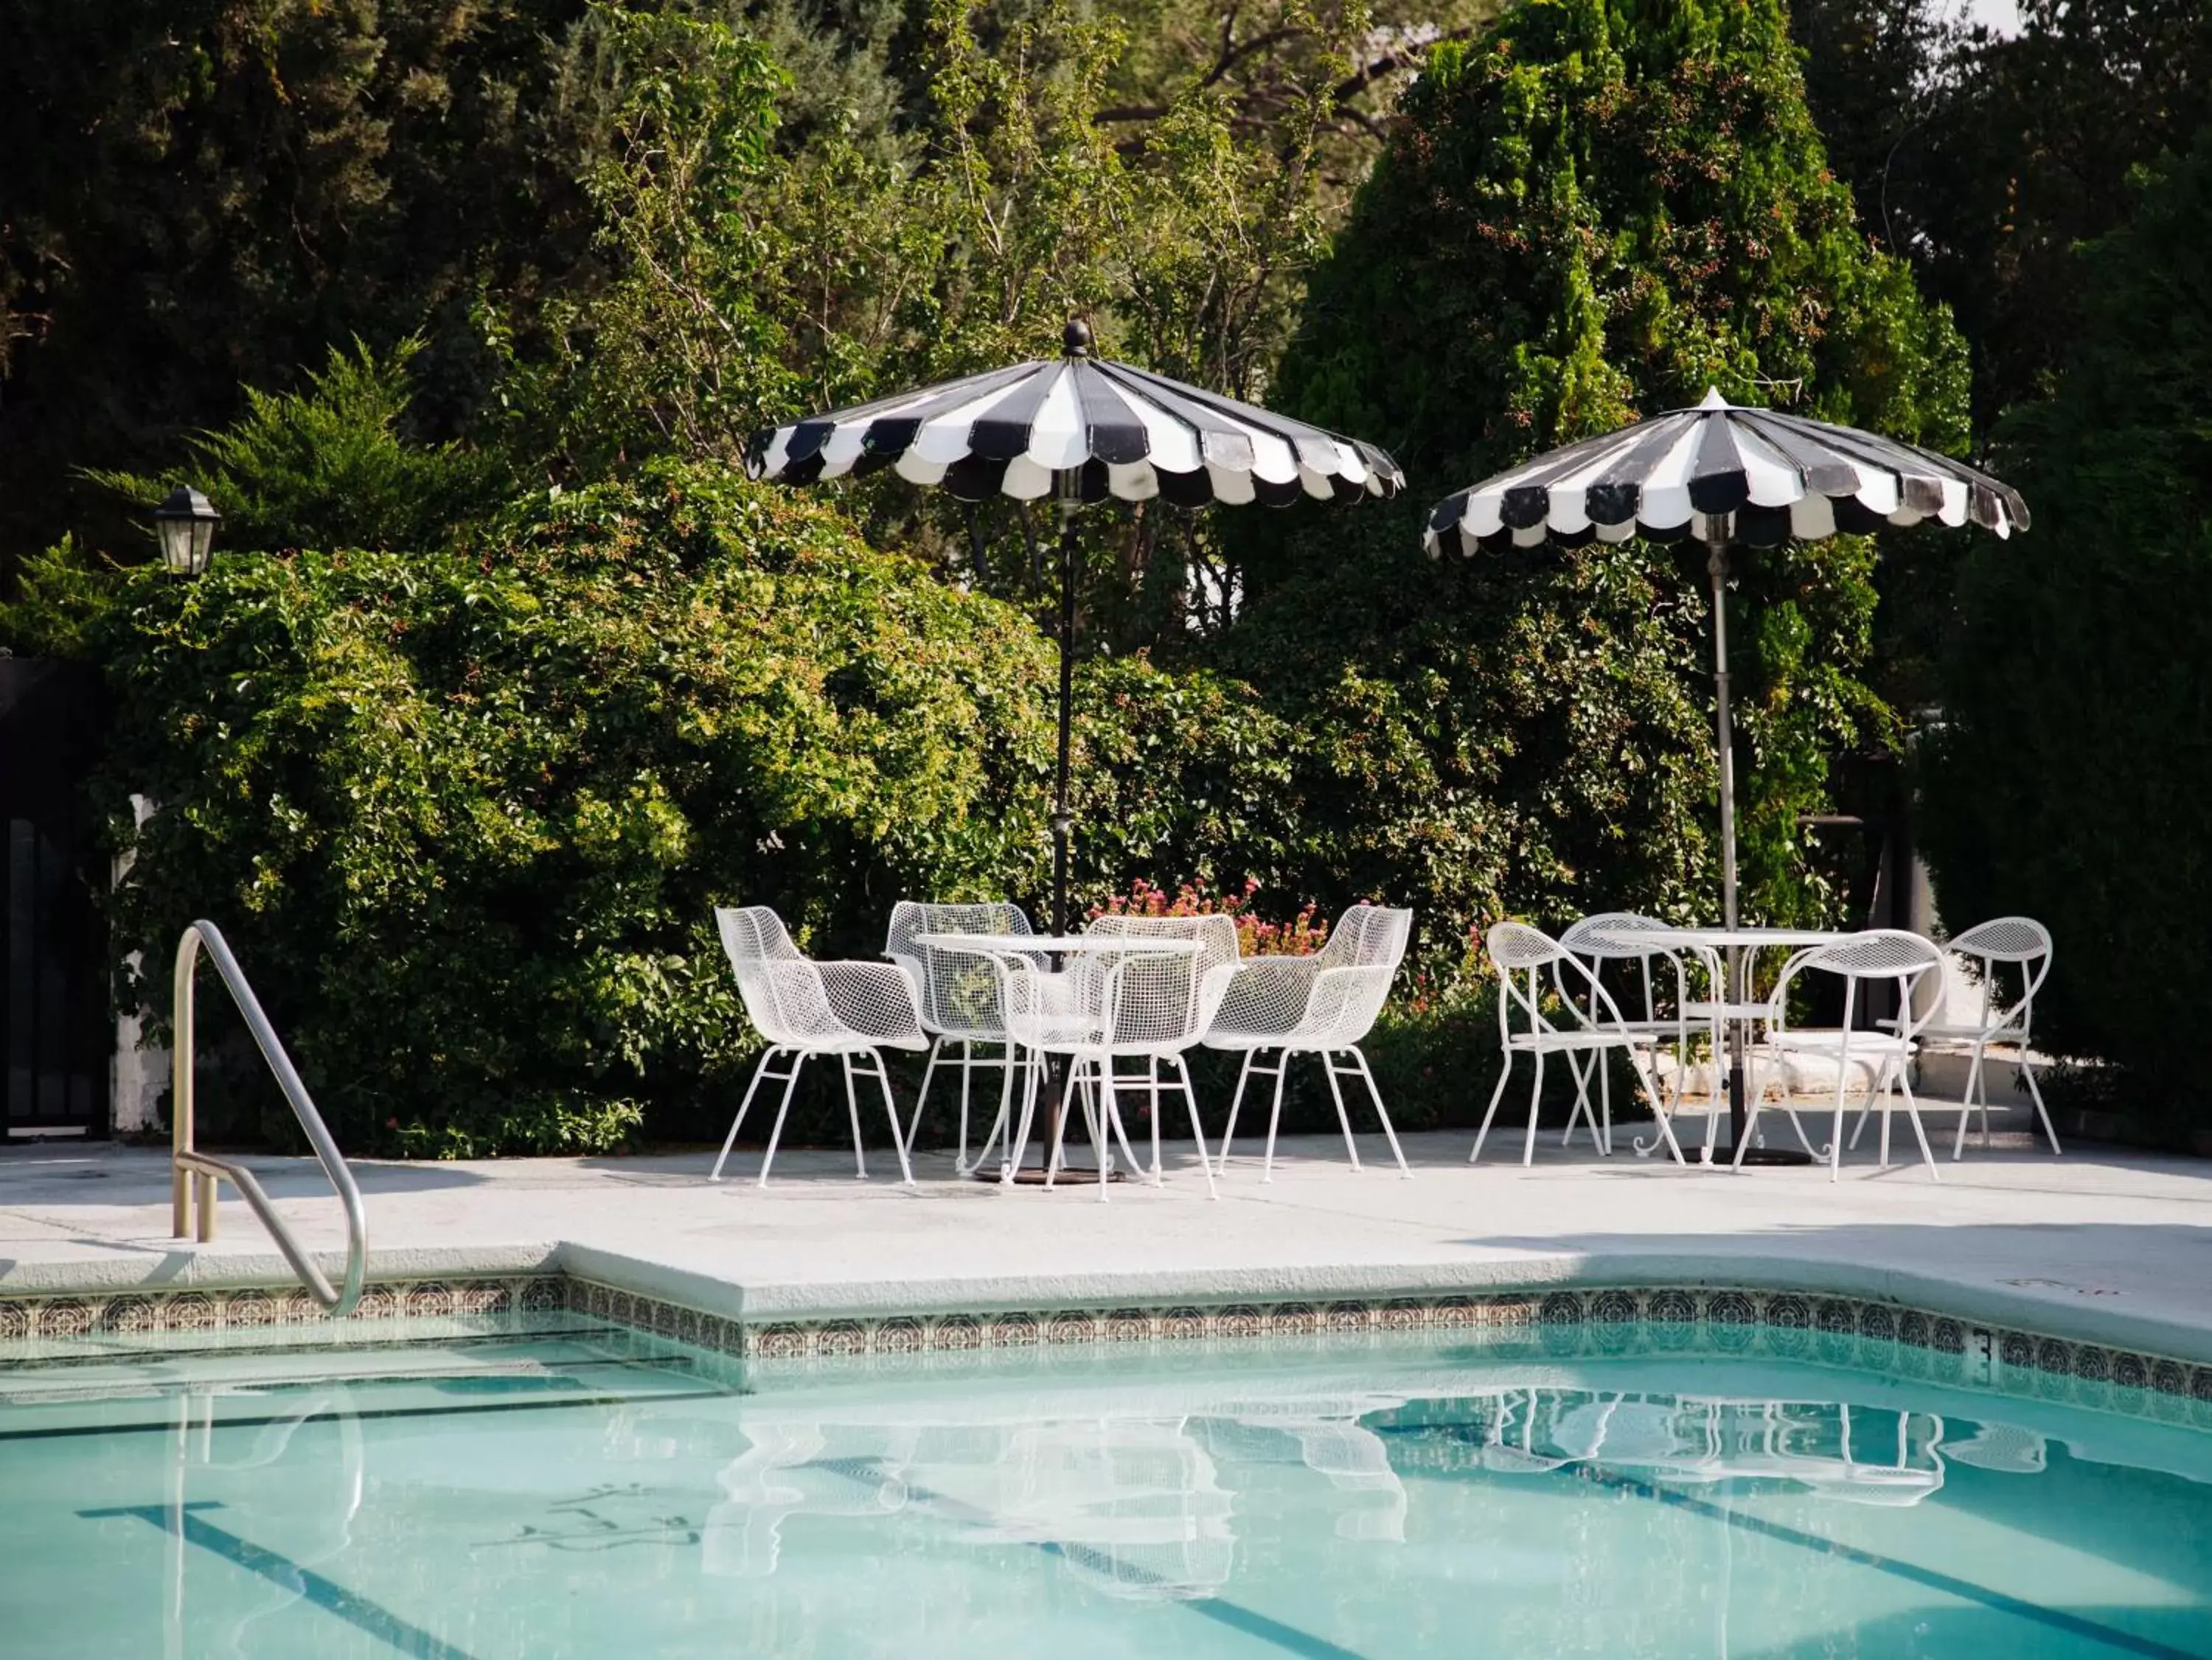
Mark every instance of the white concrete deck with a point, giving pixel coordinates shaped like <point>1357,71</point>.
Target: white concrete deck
<point>2099,1246</point>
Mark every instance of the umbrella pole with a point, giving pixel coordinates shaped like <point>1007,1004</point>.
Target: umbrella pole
<point>1063,822</point>
<point>1716,567</point>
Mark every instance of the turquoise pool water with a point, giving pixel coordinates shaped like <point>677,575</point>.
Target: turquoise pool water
<point>581,1491</point>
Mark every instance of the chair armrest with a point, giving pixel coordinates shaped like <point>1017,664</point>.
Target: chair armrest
<point>1270,994</point>
<point>876,999</point>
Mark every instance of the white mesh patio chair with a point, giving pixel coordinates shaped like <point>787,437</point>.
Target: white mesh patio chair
<point>852,1010</point>
<point>1593,1025</point>
<point>2023,945</point>
<point>1323,1005</point>
<point>958,995</point>
<point>1659,983</point>
<point>1877,954</point>
<point>1152,1006</point>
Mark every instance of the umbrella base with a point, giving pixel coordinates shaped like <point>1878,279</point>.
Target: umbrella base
<point>1071,1177</point>
<point>1764,1155</point>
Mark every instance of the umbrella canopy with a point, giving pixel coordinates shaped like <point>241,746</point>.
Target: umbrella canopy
<point>1768,475</point>
<point>1081,428</point>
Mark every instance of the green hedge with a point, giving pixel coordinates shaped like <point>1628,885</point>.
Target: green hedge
<point>464,815</point>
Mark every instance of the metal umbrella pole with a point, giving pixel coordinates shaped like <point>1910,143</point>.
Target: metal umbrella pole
<point>1732,987</point>
<point>1069,484</point>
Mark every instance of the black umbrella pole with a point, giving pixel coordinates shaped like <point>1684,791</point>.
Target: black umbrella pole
<point>1063,822</point>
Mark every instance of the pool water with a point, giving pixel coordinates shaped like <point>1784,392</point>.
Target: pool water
<point>584,1492</point>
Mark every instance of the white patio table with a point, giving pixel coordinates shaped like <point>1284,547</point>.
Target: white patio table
<point>1029,947</point>
<point>1735,1012</point>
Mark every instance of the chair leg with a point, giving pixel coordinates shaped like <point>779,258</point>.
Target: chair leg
<point>1020,1144</point>
<point>853,1109</point>
<point>1648,1074</point>
<point>1112,1126</point>
<point>1343,1118</point>
<point>1108,1117</point>
<point>1605,1103</point>
<point>1235,1103</point>
<point>1001,1124</point>
<point>1754,1093</point>
<point>1374,1094</point>
<point>1881,1095</point>
<point>921,1096</point>
<point>890,1109</point>
<point>1577,1071</point>
<point>775,1132</point>
<point>1197,1129</point>
<point>1153,1073</point>
<point>967,1077</point>
<point>736,1123</point>
<point>1535,1097</point>
<point>1913,1111</point>
<point>1966,1108</point>
<point>2027,1071</point>
<point>1505,1072</point>
<point>1275,1117</point>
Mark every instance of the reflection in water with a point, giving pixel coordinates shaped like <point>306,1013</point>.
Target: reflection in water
<point>1127,1487</point>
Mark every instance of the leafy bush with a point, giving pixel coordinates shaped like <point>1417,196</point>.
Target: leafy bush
<point>464,815</point>
<point>2067,780</point>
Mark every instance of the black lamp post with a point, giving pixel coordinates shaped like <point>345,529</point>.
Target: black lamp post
<point>186,522</point>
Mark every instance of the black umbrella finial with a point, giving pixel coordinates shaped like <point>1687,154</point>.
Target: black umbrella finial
<point>1075,338</point>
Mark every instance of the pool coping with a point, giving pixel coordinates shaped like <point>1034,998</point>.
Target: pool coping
<point>1565,1308</point>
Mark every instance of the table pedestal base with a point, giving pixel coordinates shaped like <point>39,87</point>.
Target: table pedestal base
<point>1765,1155</point>
<point>1071,1177</point>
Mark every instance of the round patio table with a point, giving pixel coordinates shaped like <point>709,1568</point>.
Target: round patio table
<point>1737,1011</point>
<point>1056,946</point>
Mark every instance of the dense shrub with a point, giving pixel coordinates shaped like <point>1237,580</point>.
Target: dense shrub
<point>2068,779</point>
<point>464,815</point>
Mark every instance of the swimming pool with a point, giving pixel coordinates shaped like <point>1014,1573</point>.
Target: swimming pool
<point>584,1490</point>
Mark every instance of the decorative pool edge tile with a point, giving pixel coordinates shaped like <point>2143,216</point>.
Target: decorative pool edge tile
<point>1556,1325</point>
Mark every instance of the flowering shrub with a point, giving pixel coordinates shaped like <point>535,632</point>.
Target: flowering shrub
<point>1301,937</point>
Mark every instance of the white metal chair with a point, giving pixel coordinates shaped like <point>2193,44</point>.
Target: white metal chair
<point>1323,1005</point>
<point>1522,955</point>
<point>1612,936</point>
<point>1877,954</point>
<point>852,1010</point>
<point>1152,1006</point>
<point>2024,944</point>
<point>958,995</point>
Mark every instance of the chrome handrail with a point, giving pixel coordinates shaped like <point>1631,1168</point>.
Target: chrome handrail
<point>194,1174</point>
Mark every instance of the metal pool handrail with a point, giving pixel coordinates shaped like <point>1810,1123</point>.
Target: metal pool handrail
<point>195,1174</point>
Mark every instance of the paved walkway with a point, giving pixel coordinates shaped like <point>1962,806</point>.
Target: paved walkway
<point>2110,1246</point>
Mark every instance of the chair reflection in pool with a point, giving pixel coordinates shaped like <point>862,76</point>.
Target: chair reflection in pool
<point>1131,1505</point>
<point>1712,1439</point>
<point>1330,1440</point>
<point>795,1468</point>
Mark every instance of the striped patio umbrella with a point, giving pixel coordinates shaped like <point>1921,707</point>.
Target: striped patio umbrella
<point>1724,476</point>
<point>1077,429</point>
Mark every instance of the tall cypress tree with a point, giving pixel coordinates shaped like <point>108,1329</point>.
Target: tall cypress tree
<point>2069,779</point>
<point>1594,211</point>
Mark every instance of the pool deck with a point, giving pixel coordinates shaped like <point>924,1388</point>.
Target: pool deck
<point>2101,1246</point>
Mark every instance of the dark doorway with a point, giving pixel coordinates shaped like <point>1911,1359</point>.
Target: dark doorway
<point>56,1027</point>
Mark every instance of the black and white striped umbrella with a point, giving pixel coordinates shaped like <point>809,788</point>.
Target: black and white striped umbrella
<point>1079,430</point>
<point>1083,429</point>
<point>1721,474</point>
<point>1725,477</point>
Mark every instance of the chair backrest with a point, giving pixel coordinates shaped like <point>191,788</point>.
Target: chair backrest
<point>1612,937</point>
<point>1163,1000</point>
<point>2021,941</point>
<point>1368,936</point>
<point>781,990</point>
<point>958,993</point>
<point>1874,954</point>
<point>1520,953</point>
